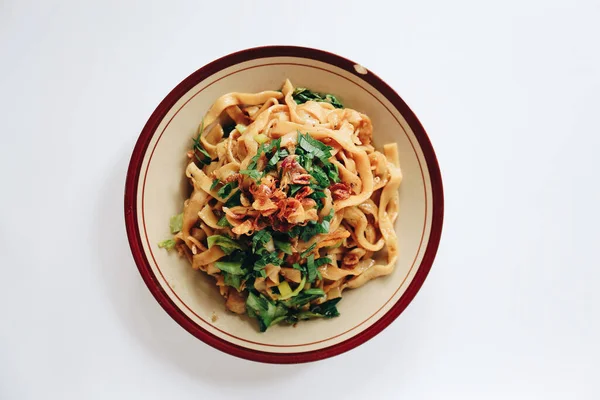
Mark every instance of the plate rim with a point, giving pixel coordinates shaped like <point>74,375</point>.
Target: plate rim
<point>135,239</point>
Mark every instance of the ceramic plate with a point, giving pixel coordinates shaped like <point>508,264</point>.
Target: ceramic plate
<point>156,188</point>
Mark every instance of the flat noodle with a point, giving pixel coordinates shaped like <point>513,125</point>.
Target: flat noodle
<point>244,196</point>
<point>236,99</point>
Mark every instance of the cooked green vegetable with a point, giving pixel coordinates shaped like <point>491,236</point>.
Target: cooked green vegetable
<point>252,173</point>
<point>232,280</point>
<point>322,261</point>
<point>214,184</point>
<point>234,200</point>
<point>226,189</point>
<point>226,244</point>
<point>314,148</point>
<point>176,223</point>
<point>261,138</point>
<point>304,297</point>
<point>302,95</point>
<point>199,151</point>
<point>265,311</point>
<point>284,289</point>
<point>311,268</point>
<point>327,309</point>
<point>312,228</point>
<point>308,250</point>
<point>320,176</point>
<point>294,189</point>
<point>268,258</point>
<point>231,267</point>
<point>259,239</point>
<point>283,246</point>
<point>223,222</point>
<point>269,312</point>
<point>167,244</point>
<point>314,156</point>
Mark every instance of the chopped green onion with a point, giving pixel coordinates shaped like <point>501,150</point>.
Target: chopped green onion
<point>311,268</point>
<point>284,289</point>
<point>295,291</point>
<point>261,138</point>
<point>283,246</point>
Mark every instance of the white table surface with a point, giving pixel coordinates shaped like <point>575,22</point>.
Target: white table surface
<point>510,96</point>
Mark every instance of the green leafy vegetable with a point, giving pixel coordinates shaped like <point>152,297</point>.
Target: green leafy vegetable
<point>311,268</point>
<point>214,184</point>
<point>269,312</point>
<point>327,309</point>
<point>254,160</point>
<point>252,173</point>
<point>234,200</point>
<point>314,147</point>
<point>268,258</point>
<point>227,244</point>
<point>167,244</point>
<point>313,156</point>
<point>260,239</point>
<point>273,145</point>
<point>320,176</point>
<point>333,100</point>
<point>226,189</point>
<point>294,189</point>
<point>322,261</point>
<point>231,267</point>
<point>273,160</point>
<point>204,157</point>
<point>324,226</point>
<point>273,153</point>
<point>176,223</point>
<point>312,228</point>
<point>317,195</point>
<point>332,172</point>
<point>223,222</point>
<point>304,297</point>
<point>302,95</point>
<point>283,246</point>
<point>265,311</point>
<point>234,281</point>
<point>308,250</point>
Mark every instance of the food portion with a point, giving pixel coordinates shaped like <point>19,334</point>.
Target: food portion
<point>290,204</point>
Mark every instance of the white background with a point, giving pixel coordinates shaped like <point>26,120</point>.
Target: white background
<point>510,95</point>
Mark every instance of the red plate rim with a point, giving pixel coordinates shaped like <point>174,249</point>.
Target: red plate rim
<point>135,240</point>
